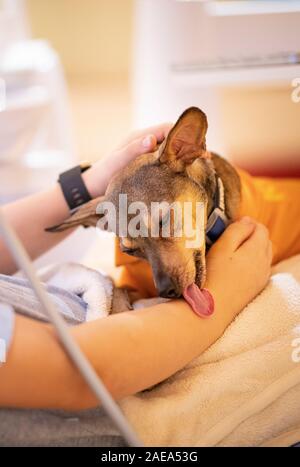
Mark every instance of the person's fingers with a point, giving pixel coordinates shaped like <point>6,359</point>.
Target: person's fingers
<point>236,234</point>
<point>162,131</point>
<point>260,247</point>
<point>158,131</point>
<point>148,142</point>
<point>138,146</point>
<point>261,236</point>
<point>270,251</point>
<point>122,156</point>
<point>259,242</point>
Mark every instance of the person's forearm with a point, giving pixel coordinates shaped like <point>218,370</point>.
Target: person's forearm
<point>31,215</point>
<point>130,352</point>
<point>136,350</point>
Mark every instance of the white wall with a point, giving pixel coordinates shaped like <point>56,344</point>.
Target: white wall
<point>168,32</point>
<point>92,37</point>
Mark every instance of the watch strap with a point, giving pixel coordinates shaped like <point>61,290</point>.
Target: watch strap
<point>73,187</point>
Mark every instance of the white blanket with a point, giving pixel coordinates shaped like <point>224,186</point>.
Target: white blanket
<point>93,286</point>
<point>244,390</point>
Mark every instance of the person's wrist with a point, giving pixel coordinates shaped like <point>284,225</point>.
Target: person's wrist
<point>95,181</point>
<point>224,306</point>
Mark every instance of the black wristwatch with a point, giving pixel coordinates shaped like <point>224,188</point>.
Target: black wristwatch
<point>73,186</point>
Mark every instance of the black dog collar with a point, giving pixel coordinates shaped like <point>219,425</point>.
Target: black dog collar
<point>217,220</point>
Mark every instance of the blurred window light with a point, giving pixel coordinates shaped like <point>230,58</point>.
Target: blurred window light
<point>2,95</point>
<point>9,5</point>
<point>250,7</point>
<point>247,7</point>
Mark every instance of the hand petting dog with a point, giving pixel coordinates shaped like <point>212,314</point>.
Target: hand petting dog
<point>139,142</point>
<point>181,170</point>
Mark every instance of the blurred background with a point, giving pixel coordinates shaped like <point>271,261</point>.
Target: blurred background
<point>79,75</point>
<point>94,42</point>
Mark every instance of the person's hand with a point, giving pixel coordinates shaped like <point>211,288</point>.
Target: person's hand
<point>238,266</point>
<point>139,142</point>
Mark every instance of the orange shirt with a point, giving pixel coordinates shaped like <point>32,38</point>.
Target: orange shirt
<point>271,201</point>
<point>275,203</point>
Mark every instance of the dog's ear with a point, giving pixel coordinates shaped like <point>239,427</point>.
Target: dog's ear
<point>186,141</point>
<point>86,216</point>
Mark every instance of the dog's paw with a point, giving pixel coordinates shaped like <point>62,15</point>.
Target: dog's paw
<point>120,301</point>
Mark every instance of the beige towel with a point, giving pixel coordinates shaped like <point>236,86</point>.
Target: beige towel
<point>244,390</point>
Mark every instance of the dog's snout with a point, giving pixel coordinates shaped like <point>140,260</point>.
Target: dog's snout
<point>167,287</point>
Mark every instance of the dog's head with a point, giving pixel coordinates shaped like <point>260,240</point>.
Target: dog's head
<point>180,171</point>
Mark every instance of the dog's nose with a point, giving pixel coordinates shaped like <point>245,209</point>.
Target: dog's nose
<point>167,287</point>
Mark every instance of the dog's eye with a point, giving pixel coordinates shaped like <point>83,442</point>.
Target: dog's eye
<point>131,251</point>
<point>165,221</point>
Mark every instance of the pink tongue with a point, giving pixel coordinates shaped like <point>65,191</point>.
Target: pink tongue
<point>201,301</point>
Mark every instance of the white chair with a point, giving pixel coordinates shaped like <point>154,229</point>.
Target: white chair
<point>35,126</point>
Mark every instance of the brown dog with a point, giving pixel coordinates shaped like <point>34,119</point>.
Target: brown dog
<point>181,170</point>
